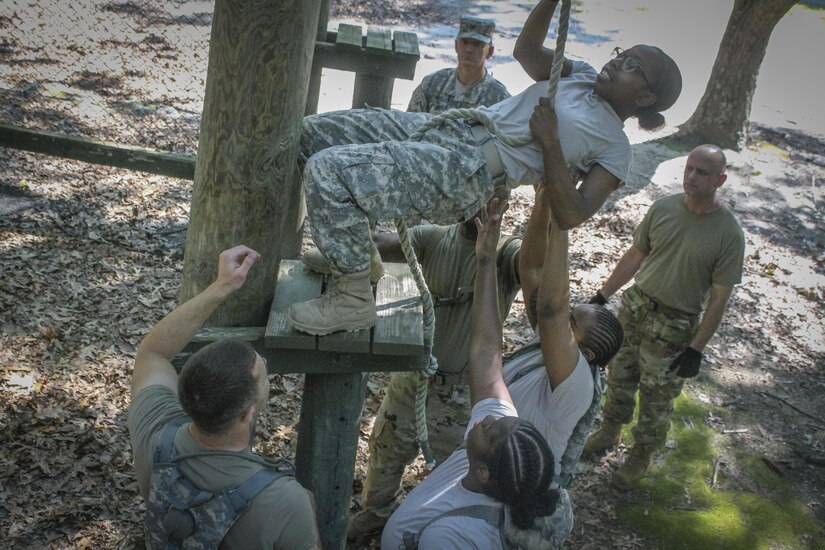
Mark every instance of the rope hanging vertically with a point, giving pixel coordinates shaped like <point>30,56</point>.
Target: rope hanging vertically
<point>427,301</point>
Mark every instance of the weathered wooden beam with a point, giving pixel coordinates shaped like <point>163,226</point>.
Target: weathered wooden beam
<point>296,283</point>
<point>287,361</point>
<point>98,152</point>
<point>398,330</point>
<point>372,91</point>
<point>406,43</point>
<point>327,443</point>
<point>245,183</point>
<point>314,89</point>
<point>359,61</point>
<point>379,39</point>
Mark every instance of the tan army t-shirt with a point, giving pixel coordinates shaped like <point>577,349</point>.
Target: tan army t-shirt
<point>448,263</point>
<point>279,517</point>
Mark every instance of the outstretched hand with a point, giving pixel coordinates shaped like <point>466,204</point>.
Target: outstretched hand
<point>488,226</point>
<point>234,265</point>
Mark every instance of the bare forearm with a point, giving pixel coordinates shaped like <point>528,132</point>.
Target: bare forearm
<point>529,50</point>
<point>175,330</point>
<point>554,287</point>
<point>712,318</point>
<point>568,205</point>
<point>627,267</point>
<point>535,29</point>
<point>485,333</point>
<point>534,244</point>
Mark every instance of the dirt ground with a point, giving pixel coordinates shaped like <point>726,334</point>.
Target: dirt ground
<point>91,257</point>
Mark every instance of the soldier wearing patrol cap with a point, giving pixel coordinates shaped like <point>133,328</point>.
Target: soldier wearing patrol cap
<point>469,85</point>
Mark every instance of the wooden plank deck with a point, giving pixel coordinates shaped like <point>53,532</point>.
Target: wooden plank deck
<point>398,331</point>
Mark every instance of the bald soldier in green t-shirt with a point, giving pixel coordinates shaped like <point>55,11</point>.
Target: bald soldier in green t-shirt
<point>688,252</point>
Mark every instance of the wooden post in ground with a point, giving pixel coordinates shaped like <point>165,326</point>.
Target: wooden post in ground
<point>327,444</point>
<point>260,57</point>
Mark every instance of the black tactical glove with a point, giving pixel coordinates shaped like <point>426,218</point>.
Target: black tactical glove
<point>686,363</point>
<point>598,299</point>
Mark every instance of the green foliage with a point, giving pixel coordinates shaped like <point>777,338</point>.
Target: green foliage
<point>677,507</point>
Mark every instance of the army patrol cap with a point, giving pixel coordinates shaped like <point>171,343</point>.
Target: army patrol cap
<point>477,29</point>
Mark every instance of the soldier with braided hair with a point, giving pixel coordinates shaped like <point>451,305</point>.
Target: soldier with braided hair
<point>549,392</point>
<point>551,379</point>
<point>519,468</point>
<point>360,169</point>
<point>504,461</point>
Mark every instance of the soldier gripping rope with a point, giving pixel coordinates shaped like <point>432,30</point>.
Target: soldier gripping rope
<point>361,166</point>
<point>550,390</point>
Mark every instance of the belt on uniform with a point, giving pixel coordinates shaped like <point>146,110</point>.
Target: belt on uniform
<point>450,378</point>
<point>489,149</point>
<point>657,306</point>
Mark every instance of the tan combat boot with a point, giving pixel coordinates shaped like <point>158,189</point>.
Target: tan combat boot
<point>634,468</point>
<point>348,304</point>
<point>606,437</point>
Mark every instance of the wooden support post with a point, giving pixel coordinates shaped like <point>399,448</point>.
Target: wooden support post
<point>293,234</point>
<point>260,57</point>
<point>327,442</point>
<point>314,91</point>
<point>372,91</point>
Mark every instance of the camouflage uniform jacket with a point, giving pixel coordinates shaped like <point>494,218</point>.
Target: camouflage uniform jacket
<point>437,93</point>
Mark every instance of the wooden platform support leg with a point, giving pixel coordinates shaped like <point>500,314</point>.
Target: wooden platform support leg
<point>328,432</point>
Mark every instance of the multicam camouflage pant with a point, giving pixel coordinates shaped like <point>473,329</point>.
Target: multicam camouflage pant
<point>393,444</point>
<point>378,177</point>
<point>652,339</point>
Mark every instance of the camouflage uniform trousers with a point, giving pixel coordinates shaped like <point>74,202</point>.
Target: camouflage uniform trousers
<point>393,443</point>
<point>442,178</point>
<point>652,339</point>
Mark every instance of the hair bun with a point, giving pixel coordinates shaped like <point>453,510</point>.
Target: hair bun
<point>651,120</point>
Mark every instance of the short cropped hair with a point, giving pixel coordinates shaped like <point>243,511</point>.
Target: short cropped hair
<point>217,383</point>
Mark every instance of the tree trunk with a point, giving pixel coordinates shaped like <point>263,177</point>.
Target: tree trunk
<point>722,114</point>
<point>260,57</point>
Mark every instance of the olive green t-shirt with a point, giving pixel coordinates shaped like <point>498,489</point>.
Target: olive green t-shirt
<point>448,263</point>
<point>687,253</point>
<point>279,517</point>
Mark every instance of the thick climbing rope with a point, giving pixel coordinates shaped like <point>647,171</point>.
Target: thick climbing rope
<point>427,301</point>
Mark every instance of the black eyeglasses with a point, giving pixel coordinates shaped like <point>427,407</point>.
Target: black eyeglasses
<point>630,63</point>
